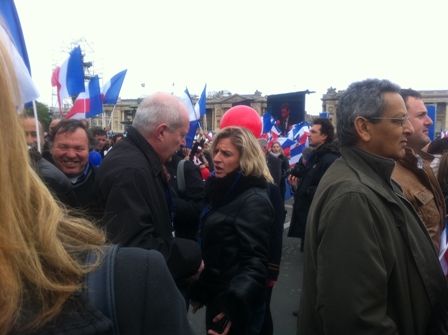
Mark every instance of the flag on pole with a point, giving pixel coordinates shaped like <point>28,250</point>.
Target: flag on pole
<point>111,89</point>
<point>88,103</point>
<point>189,138</point>
<point>194,114</point>
<point>12,36</point>
<point>10,17</point>
<point>27,89</point>
<point>200,106</point>
<point>69,77</point>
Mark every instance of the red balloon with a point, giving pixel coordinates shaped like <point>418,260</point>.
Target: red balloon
<point>242,116</point>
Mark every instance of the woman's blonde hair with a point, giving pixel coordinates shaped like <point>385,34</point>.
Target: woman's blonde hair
<point>41,246</point>
<point>252,158</point>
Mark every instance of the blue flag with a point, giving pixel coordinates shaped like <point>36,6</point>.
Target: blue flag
<point>8,12</point>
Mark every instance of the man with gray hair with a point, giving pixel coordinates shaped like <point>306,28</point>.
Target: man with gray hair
<point>133,184</point>
<point>370,267</point>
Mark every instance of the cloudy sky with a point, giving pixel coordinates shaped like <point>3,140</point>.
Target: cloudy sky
<point>242,45</point>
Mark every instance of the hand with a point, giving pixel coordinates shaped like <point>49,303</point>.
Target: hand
<point>221,322</point>
<point>293,180</point>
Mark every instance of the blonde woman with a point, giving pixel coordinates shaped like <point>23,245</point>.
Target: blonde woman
<point>235,236</point>
<point>43,251</point>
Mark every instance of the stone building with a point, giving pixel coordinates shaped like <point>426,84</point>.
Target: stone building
<point>119,117</point>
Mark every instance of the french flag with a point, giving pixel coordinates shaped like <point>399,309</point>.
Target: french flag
<point>69,77</point>
<point>301,132</point>
<point>194,114</point>
<point>88,103</point>
<point>111,89</point>
<point>13,40</point>
<point>192,117</point>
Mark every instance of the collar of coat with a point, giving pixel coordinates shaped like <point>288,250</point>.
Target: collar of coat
<point>370,168</point>
<point>148,151</point>
<point>223,190</point>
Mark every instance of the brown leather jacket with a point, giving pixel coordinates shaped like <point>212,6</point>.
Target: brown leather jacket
<point>420,186</point>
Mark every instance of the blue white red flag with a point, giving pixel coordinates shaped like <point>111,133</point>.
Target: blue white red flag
<point>10,17</point>
<point>295,141</point>
<point>193,117</point>
<point>69,77</point>
<point>27,89</point>
<point>200,106</point>
<point>111,89</point>
<point>87,104</point>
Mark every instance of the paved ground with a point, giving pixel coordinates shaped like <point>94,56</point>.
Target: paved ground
<point>286,294</point>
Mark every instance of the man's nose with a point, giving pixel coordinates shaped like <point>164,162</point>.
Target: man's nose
<point>408,129</point>
<point>30,139</point>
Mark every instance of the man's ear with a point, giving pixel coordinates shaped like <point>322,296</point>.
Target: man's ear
<point>363,127</point>
<point>160,131</point>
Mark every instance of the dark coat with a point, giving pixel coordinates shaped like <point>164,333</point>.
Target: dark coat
<point>276,233</point>
<point>146,298</point>
<point>275,168</point>
<point>56,181</point>
<point>235,244</point>
<point>86,194</point>
<point>370,267</point>
<point>189,203</point>
<point>137,203</point>
<point>285,170</point>
<point>309,177</point>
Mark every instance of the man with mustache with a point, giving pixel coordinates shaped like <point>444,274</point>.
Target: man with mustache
<point>413,171</point>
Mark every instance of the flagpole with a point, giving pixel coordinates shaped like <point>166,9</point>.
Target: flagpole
<point>36,121</point>
<point>111,117</point>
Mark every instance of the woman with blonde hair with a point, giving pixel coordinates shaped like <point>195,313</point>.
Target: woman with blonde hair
<point>235,236</point>
<point>43,252</point>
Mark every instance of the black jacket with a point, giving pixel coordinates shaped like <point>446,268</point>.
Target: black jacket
<point>309,177</point>
<point>134,193</point>
<point>235,244</point>
<point>146,298</point>
<point>189,202</point>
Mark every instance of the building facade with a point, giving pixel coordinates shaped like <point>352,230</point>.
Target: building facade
<point>117,118</point>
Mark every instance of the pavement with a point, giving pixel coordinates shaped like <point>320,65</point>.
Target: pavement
<point>286,293</point>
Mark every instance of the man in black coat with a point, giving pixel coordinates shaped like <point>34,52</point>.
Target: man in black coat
<point>133,185</point>
<point>308,176</point>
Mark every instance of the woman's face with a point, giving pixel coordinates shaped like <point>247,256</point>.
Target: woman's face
<point>275,148</point>
<point>226,158</point>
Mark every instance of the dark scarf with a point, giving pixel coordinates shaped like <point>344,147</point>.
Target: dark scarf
<point>220,191</point>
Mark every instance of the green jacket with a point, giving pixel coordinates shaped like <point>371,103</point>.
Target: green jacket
<point>370,267</point>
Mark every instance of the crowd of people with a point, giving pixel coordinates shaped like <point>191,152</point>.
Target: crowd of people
<point>169,228</point>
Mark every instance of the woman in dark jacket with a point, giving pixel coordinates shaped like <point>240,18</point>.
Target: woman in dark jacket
<point>235,235</point>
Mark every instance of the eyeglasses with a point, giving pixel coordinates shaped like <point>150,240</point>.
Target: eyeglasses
<point>401,121</point>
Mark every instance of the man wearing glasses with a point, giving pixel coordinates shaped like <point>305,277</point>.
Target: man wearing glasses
<point>369,264</point>
<point>413,171</point>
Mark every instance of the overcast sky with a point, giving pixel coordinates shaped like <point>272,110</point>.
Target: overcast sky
<point>242,45</point>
